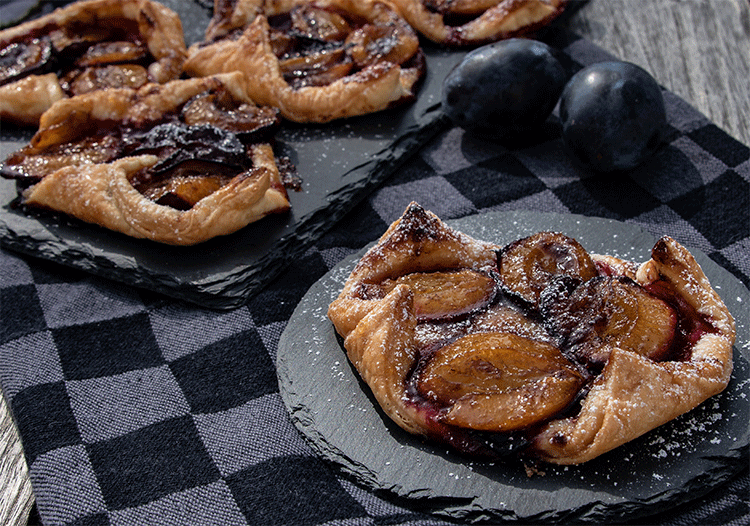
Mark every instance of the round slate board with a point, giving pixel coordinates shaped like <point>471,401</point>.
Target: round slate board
<point>677,462</point>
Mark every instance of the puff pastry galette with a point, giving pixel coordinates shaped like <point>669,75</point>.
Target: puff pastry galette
<point>84,46</point>
<point>537,348</point>
<point>178,163</point>
<point>315,60</point>
<point>473,22</point>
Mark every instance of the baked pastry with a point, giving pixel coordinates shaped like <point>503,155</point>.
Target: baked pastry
<point>473,22</point>
<point>315,60</point>
<point>87,45</point>
<point>537,348</point>
<point>178,163</point>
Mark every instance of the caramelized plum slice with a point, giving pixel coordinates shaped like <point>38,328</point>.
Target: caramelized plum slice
<point>104,53</point>
<point>608,312</point>
<point>32,165</point>
<point>195,161</point>
<point>319,23</point>
<point>316,69</point>
<point>115,76</point>
<point>185,184</point>
<point>449,294</point>
<point>175,143</point>
<point>372,43</point>
<point>70,42</point>
<point>282,44</point>
<point>20,59</point>
<point>499,382</point>
<point>506,318</point>
<point>528,265</point>
<point>218,109</point>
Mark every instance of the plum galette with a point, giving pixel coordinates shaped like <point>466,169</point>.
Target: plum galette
<point>460,23</point>
<point>536,348</point>
<point>316,60</point>
<point>85,46</point>
<point>178,163</point>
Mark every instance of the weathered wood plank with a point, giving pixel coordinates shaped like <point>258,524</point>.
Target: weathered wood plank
<point>699,50</point>
<point>16,497</point>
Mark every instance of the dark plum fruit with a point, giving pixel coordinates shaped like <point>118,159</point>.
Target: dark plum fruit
<point>504,88</point>
<point>612,116</point>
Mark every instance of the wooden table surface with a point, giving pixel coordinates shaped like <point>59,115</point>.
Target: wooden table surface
<point>698,49</point>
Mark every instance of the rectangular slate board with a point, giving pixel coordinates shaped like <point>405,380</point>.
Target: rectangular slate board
<point>339,163</point>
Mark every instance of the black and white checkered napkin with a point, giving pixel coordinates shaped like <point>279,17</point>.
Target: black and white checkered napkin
<point>134,409</point>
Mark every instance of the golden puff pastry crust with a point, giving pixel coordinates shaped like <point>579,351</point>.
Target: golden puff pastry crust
<point>473,22</point>
<point>499,369</point>
<point>633,394</point>
<point>316,61</point>
<point>87,45</point>
<point>178,163</point>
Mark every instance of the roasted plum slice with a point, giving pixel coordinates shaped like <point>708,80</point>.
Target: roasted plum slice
<point>612,312</point>
<point>174,143</point>
<point>104,53</point>
<point>372,43</point>
<point>318,23</point>
<point>30,166</point>
<point>499,382</point>
<point>92,79</point>
<point>101,65</point>
<point>186,183</point>
<point>316,69</point>
<point>217,108</point>
<point>527,266</point>
<point>24,58</point>
<point>446,294</point>
<point>503,317</point>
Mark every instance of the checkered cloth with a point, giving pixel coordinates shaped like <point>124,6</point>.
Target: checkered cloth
<point>135,409</point>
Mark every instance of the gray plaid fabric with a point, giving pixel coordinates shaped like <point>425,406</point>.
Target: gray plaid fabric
<point>135,409</point>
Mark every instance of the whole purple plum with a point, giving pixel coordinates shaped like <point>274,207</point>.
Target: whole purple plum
<point>612,116</point>
<point>503,88</point>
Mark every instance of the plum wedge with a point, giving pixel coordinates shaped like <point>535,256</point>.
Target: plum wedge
<point>499,381</point>
<point>444,295</point>
<point>528,265</point>
<point>609,312</point>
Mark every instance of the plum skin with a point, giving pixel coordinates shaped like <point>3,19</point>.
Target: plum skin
<point>504,87</point>
<point>613,116</point>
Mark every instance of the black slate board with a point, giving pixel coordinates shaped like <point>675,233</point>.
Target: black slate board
<point>673,464</point>
<point>339,164</point>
